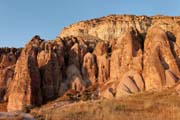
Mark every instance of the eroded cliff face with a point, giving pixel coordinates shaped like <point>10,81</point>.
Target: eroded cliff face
<point>8,58</point>
<point>144,50</point>
<point>118,54</point>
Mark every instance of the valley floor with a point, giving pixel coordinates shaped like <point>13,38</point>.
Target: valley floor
<point>142,106</point>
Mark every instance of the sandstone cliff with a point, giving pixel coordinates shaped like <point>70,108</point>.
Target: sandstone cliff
<point>117,55</point>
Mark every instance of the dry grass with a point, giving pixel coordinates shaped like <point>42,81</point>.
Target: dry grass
<point>143,106</point>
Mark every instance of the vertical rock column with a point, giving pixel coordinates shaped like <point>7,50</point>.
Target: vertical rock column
<point>160,67</point>
<point>26,89</point>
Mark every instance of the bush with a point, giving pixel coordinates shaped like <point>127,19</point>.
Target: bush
<point>27,108</point>
<point>86,95</point>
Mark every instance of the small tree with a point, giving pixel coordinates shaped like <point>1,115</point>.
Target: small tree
<point>27,108</point>
<point>86,95</point>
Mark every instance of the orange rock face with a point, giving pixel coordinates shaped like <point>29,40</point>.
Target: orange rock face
<point>26,85</point>
<point>103,62</point>
<point>7,65</point>
<point>159,61</point>
<point>89,68</point>
<point>117,54</point>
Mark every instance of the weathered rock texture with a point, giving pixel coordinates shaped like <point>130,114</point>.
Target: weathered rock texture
<point>8,58</point>
<point>26,85</point>
<point>118,54</point>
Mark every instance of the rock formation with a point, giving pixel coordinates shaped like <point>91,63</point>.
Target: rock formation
<point>103,62</point>
<point>116,54</point>
<point>8,58</point>
<point>89,68</point>
<point>159,60</point>
<point>25,89</point>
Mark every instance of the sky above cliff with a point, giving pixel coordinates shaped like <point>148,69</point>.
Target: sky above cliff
<point>22,19</point>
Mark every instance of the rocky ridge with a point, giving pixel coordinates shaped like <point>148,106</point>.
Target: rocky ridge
<point>116,54</point>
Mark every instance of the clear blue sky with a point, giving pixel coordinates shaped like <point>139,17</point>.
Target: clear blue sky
<point>22,19</point>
